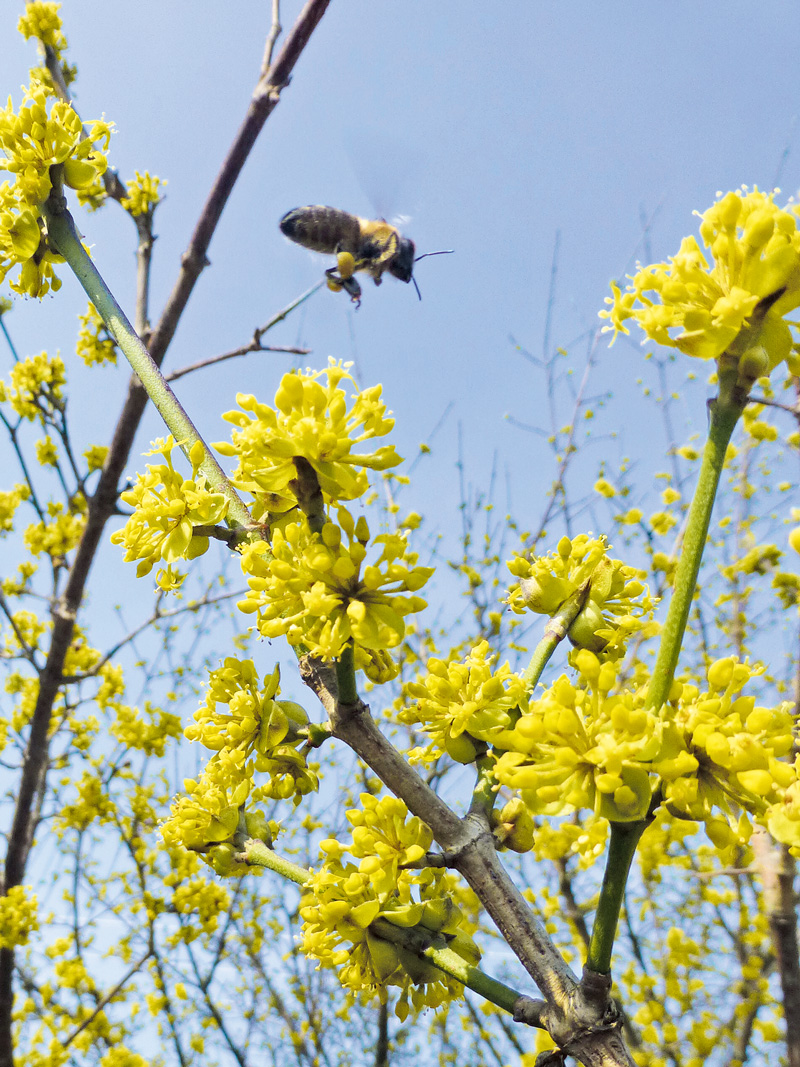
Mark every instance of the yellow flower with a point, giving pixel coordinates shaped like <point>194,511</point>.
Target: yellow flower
<point>18,916</point>
<point>36,385</point>
<point>345,901</point>
<point>256,725</point>
<point>465,706</point>
<point>167,509</point>
<point>310,421</point>
<point>95,456</point>
<point>45,132</point>
<point>753,281</point>
<point>41,20</point>
<point>143,194</point>
<point>584,748</point>
<point>320,590</point>
<point>732,756</point>
<point>95,344</point>
<point>618,604</point>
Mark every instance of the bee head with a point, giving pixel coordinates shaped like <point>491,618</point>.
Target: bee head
<point>402,265</point>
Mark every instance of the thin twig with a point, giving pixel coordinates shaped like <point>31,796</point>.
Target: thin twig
<point>272,36</point>
<point>108,997</point>
<point>245,350</point>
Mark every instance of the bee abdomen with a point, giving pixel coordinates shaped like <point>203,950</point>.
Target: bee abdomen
<point>321,228</point>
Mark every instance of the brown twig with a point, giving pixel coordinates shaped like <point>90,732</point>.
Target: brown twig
<point>272,36</point>
<point>243,351</point>
<point>255,345</point>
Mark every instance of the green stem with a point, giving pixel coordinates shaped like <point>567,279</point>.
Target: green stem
<point>453,965</point>
<point>724,414</point>
<point>258,854</point>
<point>484,794</point>
<point>621,848</point>
<point>723,420</point>
<point>555,632</point>
<point>346,677</point>
<point>64,237</point>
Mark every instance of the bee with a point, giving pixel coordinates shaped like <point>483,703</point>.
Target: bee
<point>372,246</point>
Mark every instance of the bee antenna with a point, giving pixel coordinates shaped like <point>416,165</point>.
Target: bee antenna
<point>444,252</point>
<point>414,280</point>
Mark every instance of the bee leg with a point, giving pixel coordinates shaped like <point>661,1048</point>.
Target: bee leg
<point>336,282</point>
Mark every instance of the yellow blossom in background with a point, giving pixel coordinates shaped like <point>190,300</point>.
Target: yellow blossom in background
<point>322,590</point>
<point>42,20</point>
<point>345,901</point>
<point>753,279</point>
<point>18,916</point>
<point>167,508</point>
<point>46,452</point>
<point>119,1056</point>
<point>148,730</point>
<point>95,456</point>
<point>465,706</point>
<point>95,344</point>
<point>605,488</point>
<point>35,386</point>
<point>9,502</point>
<point>311,421</point>
<point>143,194</point>
<point>618,604</point>
<point>60,533</point>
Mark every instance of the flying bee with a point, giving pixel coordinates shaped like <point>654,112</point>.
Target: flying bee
<point>372,246</point>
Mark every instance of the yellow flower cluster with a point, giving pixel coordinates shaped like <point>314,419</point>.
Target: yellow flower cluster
<point>147,731</point>
<point>95,344</point>
<point>712,757</point>
<point>35,387</point>
<point>256,734</point>
<point>584,747</point>
<point>211,821</point>
<point>699,309</point>
<point>618,604</point>
<point>41,20</point>
<point>310,421</point>
<point>120,1056</point>
<point>61,533</point>
<point>95,456</point>
<point>44,132</point>
<point>732,755</point>
<point>10,500</point>
<point>345,903</point>
<point>200,901</point>
<point>143,194</point>
<point>465,706</point>
<point>320,590</point>
<point>167,508</point>
<point>18,916</point>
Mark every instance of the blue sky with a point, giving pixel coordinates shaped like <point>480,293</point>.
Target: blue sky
<point>495,127</point>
